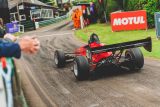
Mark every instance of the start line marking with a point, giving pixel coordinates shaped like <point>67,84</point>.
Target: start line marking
<point>55,35</point>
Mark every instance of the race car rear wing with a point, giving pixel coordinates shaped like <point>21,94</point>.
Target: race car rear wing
<point>146,43</point>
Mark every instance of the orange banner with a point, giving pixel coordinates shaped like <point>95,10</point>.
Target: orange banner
<point>133,20</point>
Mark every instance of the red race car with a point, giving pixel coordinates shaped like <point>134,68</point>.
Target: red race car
<point>94,55</point>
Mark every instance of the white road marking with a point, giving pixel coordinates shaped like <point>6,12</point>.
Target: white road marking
<point>55,35</point>
<point>94,105</point>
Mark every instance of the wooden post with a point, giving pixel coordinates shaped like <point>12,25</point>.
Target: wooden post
<point>18,12</point>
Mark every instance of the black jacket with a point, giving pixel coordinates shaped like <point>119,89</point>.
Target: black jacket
<point>9,49</point>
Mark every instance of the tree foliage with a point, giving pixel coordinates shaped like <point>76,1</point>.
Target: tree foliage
<point>151,6</point>
<point>135,4</point>
<point>107,6</point>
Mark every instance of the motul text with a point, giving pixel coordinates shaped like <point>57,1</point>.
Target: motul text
<point>129,20</point>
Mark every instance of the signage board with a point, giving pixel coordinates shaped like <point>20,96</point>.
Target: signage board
<point>21,7</point>
<point>157,24</point>
<point>12,27</point>
<point>132,20</point>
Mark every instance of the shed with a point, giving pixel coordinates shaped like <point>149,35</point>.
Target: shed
<point>21,10</point>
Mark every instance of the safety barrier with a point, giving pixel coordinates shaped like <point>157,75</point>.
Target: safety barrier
<point>51,21</point>
<point>30,25</point>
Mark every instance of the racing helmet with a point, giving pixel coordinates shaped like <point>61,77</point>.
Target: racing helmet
<point>94,38</point>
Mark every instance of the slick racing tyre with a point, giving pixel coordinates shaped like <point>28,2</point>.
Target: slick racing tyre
<point>136,59</point>
<point>81,68</point>
<point>59,58</point>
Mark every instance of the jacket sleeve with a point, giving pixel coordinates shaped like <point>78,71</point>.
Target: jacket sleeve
<point>9,49</point>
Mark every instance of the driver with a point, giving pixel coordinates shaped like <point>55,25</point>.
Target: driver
<point>94,41</point>
<point>94,38</point>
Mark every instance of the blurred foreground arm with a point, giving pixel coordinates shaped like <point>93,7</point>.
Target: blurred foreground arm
<point>26,44</point>
<point>29,45</point>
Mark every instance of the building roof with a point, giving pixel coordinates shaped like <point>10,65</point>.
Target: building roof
<point>13,3</point>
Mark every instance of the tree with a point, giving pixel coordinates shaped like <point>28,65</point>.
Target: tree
<point>151,6</point>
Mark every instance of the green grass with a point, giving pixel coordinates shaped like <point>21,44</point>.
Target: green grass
<point>17,34</point>
<point>108,37</point>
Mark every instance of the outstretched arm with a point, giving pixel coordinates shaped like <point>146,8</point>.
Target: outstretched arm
<point>26,44</point>
<point>9,49</point>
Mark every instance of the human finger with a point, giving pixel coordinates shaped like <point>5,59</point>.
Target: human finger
<point>34,49</point>
<point>37,41</point>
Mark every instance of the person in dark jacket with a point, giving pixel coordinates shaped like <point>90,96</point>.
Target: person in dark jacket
<point>9,49</point>
<point>25,44</point>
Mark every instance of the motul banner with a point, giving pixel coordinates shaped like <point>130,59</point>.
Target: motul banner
<point>133,20</point>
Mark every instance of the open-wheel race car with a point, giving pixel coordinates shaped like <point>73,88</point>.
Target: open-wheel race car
<point>94,55</point>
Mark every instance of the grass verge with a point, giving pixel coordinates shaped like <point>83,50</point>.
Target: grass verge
<point>17,34</point>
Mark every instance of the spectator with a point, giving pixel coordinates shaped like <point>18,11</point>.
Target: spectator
<point>2,30</point>
<point>25,44</point>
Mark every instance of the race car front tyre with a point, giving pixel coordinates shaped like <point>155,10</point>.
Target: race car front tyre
<point>59,58</point>
<point>81,68</point>
<point>136,59</point>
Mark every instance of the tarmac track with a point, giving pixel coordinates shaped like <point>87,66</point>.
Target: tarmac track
<point>46,86</point>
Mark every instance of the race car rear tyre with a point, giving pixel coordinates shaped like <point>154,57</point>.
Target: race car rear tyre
<point>59,58</point>
<point>81,68</point>
<point>136,59</point>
